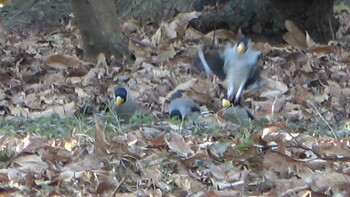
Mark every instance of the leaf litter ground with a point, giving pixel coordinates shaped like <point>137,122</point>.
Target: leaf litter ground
<point>299,146</point>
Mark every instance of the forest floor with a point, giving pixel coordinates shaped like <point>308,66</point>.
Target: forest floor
<point>52,145</point>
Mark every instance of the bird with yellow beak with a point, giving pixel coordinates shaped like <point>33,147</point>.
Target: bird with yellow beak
<point>123,105</point>
<point>184,108</point>
<point>237,65</point>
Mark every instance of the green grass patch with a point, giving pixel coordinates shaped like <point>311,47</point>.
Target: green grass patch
<point>55,126</point>
<point>50,126</point>
<point>139,118</point>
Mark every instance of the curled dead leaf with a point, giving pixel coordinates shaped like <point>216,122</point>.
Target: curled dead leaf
<point>177,144</point>
<point>323,49</point>
<point>60,61</point>
<point>309,41</point>
<point>273,89</point>
<point>279,163</point>
<point>295,37</point>
<point>179,24</point>
<point>130,27</point>
<point>2,34</point>
<point>323,182</point>
<point>29,162</point>
<point>182,87</point>
<point>221,34</point>
<point>101,144</point>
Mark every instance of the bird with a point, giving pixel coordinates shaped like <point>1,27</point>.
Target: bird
<point>237,64</point>
<point>123,104</point>
<point>238,115</point>
<point>184,108</point>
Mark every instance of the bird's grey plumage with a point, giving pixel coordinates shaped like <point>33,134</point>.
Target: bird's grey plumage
<point>125,110</point>
<point>186,106</point>
<point>238,115</point>
<point>212,63</point>
<point>238,69</point>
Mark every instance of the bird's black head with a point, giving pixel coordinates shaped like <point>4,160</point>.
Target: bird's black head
<point>242,46</point>
<point>175,113</point>
<point>120,95</point>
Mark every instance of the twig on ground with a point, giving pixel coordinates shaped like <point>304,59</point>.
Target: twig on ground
<point>329,126</point>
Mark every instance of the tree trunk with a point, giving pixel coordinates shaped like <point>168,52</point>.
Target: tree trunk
<point>265,18</point>
<point>36,15</point>
<point>100,28</point>
<point>156,10</point>
<point>260,19</point>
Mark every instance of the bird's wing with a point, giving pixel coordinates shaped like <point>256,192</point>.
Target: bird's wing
<point>188,107</point>
<point>212,63</point>
<point>238,115</point>
<point>239,68</point>
<point>203,60</point>
<point>254,76</point>
<point>195,108</point>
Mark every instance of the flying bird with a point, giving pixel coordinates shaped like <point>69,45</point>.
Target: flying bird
<point>237,64</point>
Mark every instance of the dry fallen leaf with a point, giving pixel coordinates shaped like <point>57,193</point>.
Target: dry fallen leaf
<point>177,144</point>
<point>148,159</point>
<point>309,42</point>
<point>30,162</point>
<point>61,61</point>
<point>321,182</point>
<point>101,144</point>
<point>295,37</point>
<point>179,24</point>
<point>129,27</point>
<point>183,87</point>
<point>2,34</point>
